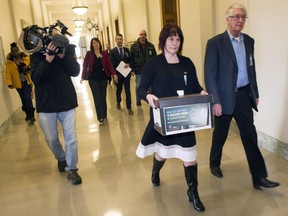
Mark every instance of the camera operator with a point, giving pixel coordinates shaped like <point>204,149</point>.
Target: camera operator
<point>18,77</point>
<point>56,100</point>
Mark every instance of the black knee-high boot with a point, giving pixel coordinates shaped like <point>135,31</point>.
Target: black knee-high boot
<point>157,165</point>
<point>192,182</point>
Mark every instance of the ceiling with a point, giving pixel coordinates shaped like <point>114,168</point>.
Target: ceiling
<point>54,10</point>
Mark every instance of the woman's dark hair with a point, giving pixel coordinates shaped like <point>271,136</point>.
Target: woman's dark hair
<point>14,47</point>
<point>14,56</point>
<point>91,44</point>
<point>169,30</point>
<point>13,44</point>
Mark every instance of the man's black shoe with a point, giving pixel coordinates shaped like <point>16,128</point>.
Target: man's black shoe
<point>216,171</point>
<point>130,112</point>
<point>74,178</point>
<point>62,165</point>
<point>264,182</point>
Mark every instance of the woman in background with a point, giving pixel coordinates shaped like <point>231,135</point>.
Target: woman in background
<point>18,77</point>
<point>97,69</point>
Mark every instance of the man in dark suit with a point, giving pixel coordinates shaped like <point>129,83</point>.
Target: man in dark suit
<point>118,54</point>
<point>230,77</point>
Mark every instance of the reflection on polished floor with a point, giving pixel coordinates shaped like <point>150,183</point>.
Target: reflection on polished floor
<point>116,182</point>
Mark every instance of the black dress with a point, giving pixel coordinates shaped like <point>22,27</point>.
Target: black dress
<point>165,80</point>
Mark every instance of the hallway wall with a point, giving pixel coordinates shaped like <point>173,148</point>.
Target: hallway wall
<point>9,98</point>
<point>267,24</point>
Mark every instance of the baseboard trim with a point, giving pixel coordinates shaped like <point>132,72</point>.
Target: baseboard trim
<point>270,143</point>
<point>5,125</point>
<point>273,145</point>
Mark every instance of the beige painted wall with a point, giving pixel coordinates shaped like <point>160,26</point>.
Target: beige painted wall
<point>154,22</point>
<point>110,9</point>
<point>196,24</point>
<point>37,15</point>
<point>22,10</point>
<point>134,18</point>
<point>268,25</point>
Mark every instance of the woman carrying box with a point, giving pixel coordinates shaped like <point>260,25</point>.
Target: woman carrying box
<point>170,74</point>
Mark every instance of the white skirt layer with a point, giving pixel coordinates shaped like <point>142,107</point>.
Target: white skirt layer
<point>172,151</point>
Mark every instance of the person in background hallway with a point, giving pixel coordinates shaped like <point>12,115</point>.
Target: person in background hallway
<point>97,68</point>
<point>166,75</point>
<point>18,77</point>
<point>56,100</point>
<point>108,49</point>
<point>230,77</point>
<point>141,51</point>
<point>118,54</point>
<point>13,49</point>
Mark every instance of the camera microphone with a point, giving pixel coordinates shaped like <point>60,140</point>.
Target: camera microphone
<point>60,40</point>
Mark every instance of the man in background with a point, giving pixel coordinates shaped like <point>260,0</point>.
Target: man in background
<point>141,51</point>
<point>117,55</point>
<point>108,48</point>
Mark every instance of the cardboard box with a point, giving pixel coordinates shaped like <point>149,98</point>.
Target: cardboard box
<point>174,115</point>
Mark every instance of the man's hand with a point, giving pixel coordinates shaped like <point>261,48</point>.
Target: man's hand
<point>257,101</point>
<point>217,109</point>
<point>115,78</point>
<point>203,92</point>
<point>53,49</point>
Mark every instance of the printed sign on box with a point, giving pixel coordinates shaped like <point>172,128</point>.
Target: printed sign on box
<point>182,114</point>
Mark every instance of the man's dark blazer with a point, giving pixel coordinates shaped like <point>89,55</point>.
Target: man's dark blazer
<point>221,71</point>
<point>116,59</point>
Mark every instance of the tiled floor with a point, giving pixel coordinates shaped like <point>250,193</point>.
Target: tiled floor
<point>116,182</point>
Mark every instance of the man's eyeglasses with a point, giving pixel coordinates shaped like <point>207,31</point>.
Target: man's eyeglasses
<point>238,17</point>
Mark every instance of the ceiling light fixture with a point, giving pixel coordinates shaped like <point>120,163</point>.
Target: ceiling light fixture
<point>78,29</point>
<point>80,7</point>
<point>78,21</point>
<point>77,34</point>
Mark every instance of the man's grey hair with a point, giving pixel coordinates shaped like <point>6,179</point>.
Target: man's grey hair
<point>229,11</point>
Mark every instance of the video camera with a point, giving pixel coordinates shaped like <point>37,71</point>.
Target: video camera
<point>35,39</point>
